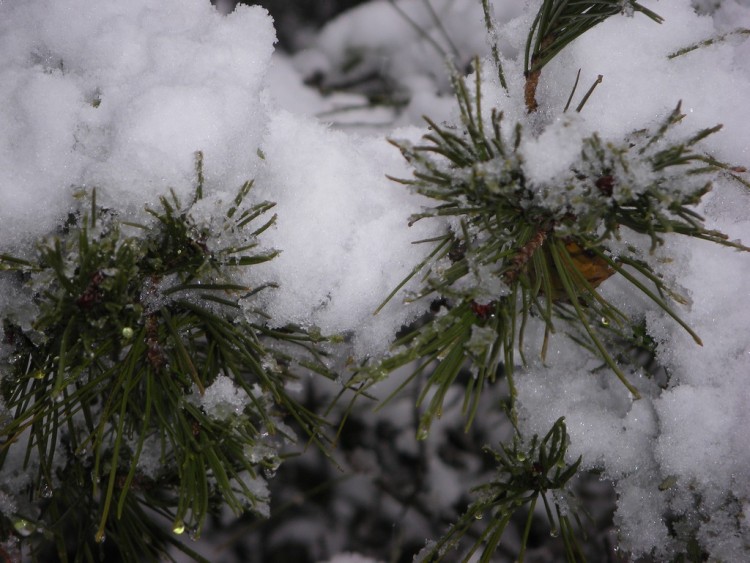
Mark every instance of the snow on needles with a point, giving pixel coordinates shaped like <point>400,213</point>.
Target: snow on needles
<point>681,451</point>
<point>119,97</point>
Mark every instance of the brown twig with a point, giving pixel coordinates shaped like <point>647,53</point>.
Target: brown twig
<point>529,91</point>
<point>155,353</point>
<point>532,76</point>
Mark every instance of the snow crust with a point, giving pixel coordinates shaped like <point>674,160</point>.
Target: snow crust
<point>121,96</point>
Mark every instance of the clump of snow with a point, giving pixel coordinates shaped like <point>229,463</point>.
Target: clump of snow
<point>257,486</point>
<point>410,38</point>
<point>551,154</point>
<point>7,504</point>
<point>608,429</point>
<point>151,462</point>
<point>119,98</point>
<point>640,518</point>
<point>222,398</point>
<point>342,231</point>
<point>404,44</point>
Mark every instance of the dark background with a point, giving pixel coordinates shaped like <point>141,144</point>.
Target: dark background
<point>291,16</point>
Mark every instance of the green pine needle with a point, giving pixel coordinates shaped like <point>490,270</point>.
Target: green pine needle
<point>131,332</point>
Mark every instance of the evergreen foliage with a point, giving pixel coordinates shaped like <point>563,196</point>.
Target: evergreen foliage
<point>524,475</point>
<point>134,324</point>
<point>521,251</point>
<point>149,391</point>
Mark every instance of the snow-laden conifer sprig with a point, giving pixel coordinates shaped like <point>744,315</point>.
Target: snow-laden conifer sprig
<point>523,249</point>
<point>142,388</point>
<point>525,473</point>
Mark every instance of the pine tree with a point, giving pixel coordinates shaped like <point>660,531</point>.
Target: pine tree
<point>144,389</point>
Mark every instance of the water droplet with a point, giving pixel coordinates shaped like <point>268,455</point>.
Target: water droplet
<point>127,333</point>
<point>24,527</point>
<point>45,491</point>
<point>521,456</point>
<point>178,527</point>
<point>605,321</point>
<point>38,374</point>
<point>478,516</point>
<point>554,532</point>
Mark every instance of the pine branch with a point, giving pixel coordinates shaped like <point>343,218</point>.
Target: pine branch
<point>523,250</point>
<point>524,475</point>
<point>141,352</point>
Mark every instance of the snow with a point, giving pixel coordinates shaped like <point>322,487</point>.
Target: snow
<point>258,487</point>
<point>395,45</point>
<point>341,230</point>
<point>551,154</point>
<point>221,399</point>
<point>121,97</point>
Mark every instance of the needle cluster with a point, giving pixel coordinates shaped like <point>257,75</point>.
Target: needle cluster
<point>146,387</point>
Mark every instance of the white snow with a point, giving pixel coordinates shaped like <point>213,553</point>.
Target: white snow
<point>341,230</point>
<point>167,80</point>
<point>551,154</point>
<point>221,399</point>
